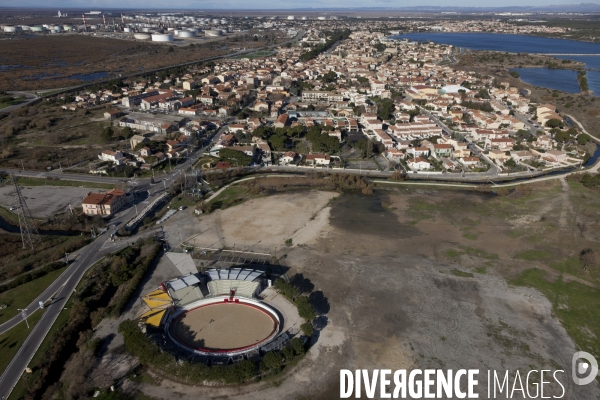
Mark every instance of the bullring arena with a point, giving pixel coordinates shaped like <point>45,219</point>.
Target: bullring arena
<point>214,327</point>
<point>219,317</point>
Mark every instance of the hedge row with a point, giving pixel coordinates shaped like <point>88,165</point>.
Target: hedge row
<point>149,354</point>
<point>123,297</point>
<point>38,273</point>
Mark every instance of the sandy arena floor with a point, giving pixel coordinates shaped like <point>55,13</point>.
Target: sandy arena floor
<point>224,326</point>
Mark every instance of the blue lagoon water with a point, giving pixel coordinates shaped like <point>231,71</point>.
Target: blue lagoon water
<point>559,79</point>
<point>524,44</point>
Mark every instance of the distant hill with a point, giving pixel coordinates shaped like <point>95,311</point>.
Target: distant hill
<point>581,7</point>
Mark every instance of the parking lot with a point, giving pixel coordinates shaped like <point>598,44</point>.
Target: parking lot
<point>44,201</point>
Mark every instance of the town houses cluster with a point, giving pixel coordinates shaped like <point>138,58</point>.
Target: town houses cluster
<point>402,97</point>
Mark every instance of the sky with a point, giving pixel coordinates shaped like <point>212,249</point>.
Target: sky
<point>270,4</point>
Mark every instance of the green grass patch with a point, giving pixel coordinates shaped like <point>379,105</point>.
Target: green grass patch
<point>481,270</point>
<point>187,201</point>
<point>420,209</point>
<point>60,182</point>
<point>229,197</point>
<point>252,56</point>
<point>470,236</point>
<point>22,296</point>
<point>576,306</point>
<point>513,233</point>
<point>462,274</point>
<point>11,341</point>
<point>21,388</point>
<point>534,255</point>
<point>9,216</point>
<point>473,252</point>
<point>453,253</point>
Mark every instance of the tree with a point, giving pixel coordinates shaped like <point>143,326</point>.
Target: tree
<point>305,309</point>
<point>554,123</point>
<point>107,134</point>
<point>582,139</point>
<point>272,361</point>
<point>588,258</point>
<point>307,329</point>
<point>562,136</point>
<point>127,132</point>
<point>297,345</point>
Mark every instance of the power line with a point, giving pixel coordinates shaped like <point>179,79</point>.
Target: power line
<point>29,232</point>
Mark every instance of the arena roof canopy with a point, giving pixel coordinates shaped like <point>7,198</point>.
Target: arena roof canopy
<point>183,282</point>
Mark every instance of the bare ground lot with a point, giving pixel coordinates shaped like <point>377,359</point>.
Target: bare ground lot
<point>421,279</point>
<point>45,201</point>
<point>46,61</point>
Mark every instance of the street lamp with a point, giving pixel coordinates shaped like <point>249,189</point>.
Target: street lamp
<point>24,315</point>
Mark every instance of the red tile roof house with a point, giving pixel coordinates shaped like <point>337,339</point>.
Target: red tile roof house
<point>103,203</point>
<point>469,161</point>
<point>317,159</point>
<point>281,121</point>
<point>287,158</point>
<point>419,164</point>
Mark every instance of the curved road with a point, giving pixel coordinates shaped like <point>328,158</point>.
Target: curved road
<point>66,283</point>
<point>29,98</point>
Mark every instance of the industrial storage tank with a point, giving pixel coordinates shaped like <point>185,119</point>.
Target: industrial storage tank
<point>93,27</point>
<point>68,27</point>
<point>195,30</point>
<point>126,29</point>
<point>10,29</point>
<point>37,29</point>
<point>186,34</point>
<point>162,37</point>
<point>142,36</point>
<point>145,29</point>
<point>213,32</point>
<point>25,28</point>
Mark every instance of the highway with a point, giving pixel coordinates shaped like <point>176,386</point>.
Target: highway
<point>29,99</point>
<point>62,288</point>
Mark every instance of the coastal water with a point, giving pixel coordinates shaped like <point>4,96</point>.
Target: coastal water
<point>559,79</point>
<point>525,44</point>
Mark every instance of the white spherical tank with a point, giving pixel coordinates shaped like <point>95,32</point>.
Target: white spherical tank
<point>142,36</point>
<point>186,34</point>
<point>162,37</point>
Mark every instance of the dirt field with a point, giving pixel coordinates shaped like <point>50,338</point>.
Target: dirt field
<point>45,201</point>
<point>261,225</point>
<point>419,278</point>
<point>223,326</point>
<point>55,61</point>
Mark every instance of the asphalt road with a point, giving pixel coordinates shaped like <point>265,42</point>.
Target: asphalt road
<point>65,284</point>
<point>62,287</point>
<point>29,98</point>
